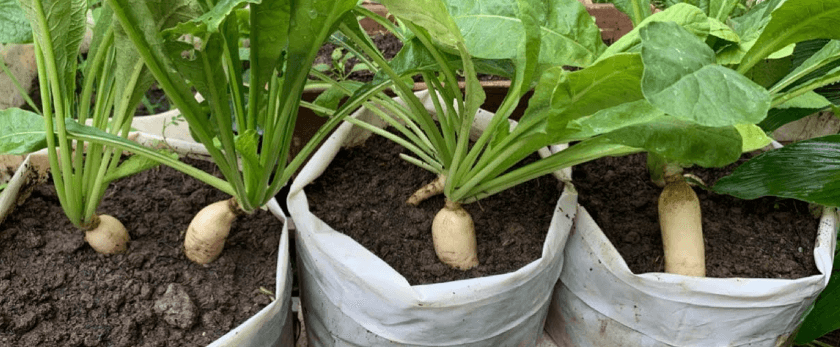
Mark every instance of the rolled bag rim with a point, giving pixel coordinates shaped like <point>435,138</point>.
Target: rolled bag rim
<point>349,277</point>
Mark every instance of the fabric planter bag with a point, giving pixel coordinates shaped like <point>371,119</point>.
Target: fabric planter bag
<point>350,297</point>
<point>270,327</point>
<point>599,302</point>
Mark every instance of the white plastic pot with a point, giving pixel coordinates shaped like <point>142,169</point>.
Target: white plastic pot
<point>350,297</point>
<point>599,302</point>
<point>270,327</point>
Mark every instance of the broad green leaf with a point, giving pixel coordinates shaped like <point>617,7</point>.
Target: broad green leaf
<point>810,100</point>
<point>414,58</point>
<point>718,9</point>
<point>683,142</point>
<point>246,146</point>
<point>14,28</point>
<point>681,79</point>
<point>614,118</point>
<point>794,21</point>
<point>569,35</point>
<point>209,22</point>
<point>21,132</point>
<point>721,30</point>
<point>637,10</point>
<point>608,83</point>
<point>58,27</point>
<point>752,137</point>
<point>807,170</point>
<point>748,27</point>
<point>431,15</point>
<point>269,35</point>
<point>823,60</point>
<point>689,17</point>
<point>133,165</point>
<point>823,317</point>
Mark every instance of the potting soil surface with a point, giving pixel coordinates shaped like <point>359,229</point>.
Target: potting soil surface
<point>56,291</point>
<point>763,238</point>
<point>362,194</point>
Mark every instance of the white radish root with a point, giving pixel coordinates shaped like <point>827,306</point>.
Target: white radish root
<point>682,232</point>
<point>453,234</point>
<point>108,235</point>
<point>208,230</point>
<point>428,191</point>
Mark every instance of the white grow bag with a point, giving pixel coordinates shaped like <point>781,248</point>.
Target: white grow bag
<point>351,297</point>
<point>599,302</point>
<point>270,327</point>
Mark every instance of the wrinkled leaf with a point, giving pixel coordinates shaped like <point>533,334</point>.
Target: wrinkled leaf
<point>721,30</point>
<point>66,21</point>
<point>14,27</point>
<point>689,17</point>
<point>431,15</point>
<point>718,9</point>
<point>246,146</point>
<point>610,82</point>
<point>682,80</point>
<point>683,142</point>
<point>21,132</point>
<point>807,170</point>
<point>569,35</point>
<point>209,22</point>
<point>269,36</point>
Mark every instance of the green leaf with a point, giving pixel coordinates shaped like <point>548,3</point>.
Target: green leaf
<point>609,82</point>
<point>681,79</point>
<point>823,317</point>
<point>810,100</point>
<point>689,17</point>
<point>58,27</point>
<point>721,30</point>
<point>683,142</point>
<point>807,170</point>
<point>569,36</point>
<point>269,36</point>
<point>777,117</point>
<point>21,132</point>
<point>431,15</point>
<point>637,10</point>
<point>753,137</point>
<point>718,9</point>
<point>133,165</point>
<point>819,63</point>
<point>246,146</point>
<point>795,21</point>
<point>14,28</point>
<point>614,118</point>
<point>208,23</point>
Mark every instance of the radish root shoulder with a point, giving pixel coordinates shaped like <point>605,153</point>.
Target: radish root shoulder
<point>205,237</point>
<point>453,235</point>
<point>681,225</point>
<point>106,235</point>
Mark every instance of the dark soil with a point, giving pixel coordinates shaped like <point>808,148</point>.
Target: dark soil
<point>56,291</point>
<point>363,194</point>
<point>762,238</point>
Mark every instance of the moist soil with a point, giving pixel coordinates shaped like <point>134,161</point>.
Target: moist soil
<point>763,238</point>
<point>56,291</point>
<point>362,194</point>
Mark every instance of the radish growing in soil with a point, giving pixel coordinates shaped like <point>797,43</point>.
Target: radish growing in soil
<point>247,131</point>
<point>114,79</point>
